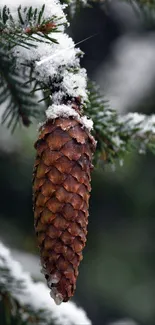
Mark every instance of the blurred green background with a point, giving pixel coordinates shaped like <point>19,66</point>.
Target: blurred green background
<point>117,274</point>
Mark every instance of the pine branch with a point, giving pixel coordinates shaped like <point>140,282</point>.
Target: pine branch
<point>20,29</point>
<point>140,129</point>
<point>118,135</point>
<point>20,103</point>
<point>25,27</point>
<point>65,80</point>
<point>30,301</point>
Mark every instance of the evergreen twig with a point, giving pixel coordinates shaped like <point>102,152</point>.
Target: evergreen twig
<point>118,135</point>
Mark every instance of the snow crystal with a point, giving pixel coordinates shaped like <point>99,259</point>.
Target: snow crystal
<point>88,123</point>
<point>52,8</point>
<point>36,294</point>
<point>75,83</point>
<point>55,111</point>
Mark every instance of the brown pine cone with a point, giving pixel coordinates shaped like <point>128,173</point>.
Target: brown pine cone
<point>61,198</point>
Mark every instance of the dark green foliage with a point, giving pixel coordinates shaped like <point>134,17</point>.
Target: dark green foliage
<point>106,128</point>
<point>114,138</point>
<point>20,103</point>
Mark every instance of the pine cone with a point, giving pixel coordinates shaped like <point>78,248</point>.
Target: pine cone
<point>61,198</point>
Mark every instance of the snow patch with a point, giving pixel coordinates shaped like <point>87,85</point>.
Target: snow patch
<point>88,123</point>
<point>37,295</point>
<point>63,54</point>
<point>75,83</point>
<point>62,67</point>
<point>63,110</point>
<point>142,122</point>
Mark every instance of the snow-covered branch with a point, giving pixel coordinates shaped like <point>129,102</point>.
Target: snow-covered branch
<point>135,130</point>
<point>138,125</point>
<point>56,64</point>
<point>139,130</point>
<point>116,134</point>
<point>31,299</point>
<point>50,60</point>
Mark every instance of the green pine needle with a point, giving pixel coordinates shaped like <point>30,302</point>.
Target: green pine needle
<point>20,103</point>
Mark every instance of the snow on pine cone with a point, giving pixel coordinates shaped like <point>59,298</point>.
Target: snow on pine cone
<point>61,199</point>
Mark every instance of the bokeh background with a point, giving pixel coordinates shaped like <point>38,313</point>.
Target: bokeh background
<point>116,284</point>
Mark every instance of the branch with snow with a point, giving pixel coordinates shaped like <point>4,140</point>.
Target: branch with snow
<point>31,300</point>
<point>118,135</point>
<point>48,60</point>
<point>138,125</point>
<point>55,65</point>
<point>139,130</point>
